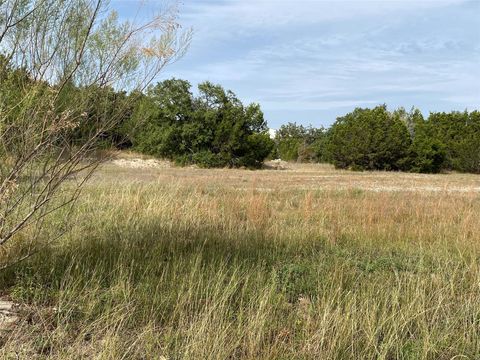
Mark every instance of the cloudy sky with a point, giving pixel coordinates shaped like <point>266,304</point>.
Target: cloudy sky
<point>310,61</point>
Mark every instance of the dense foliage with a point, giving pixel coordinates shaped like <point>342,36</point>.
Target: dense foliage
<point>299,143</point>
<point>369,139</point>
<point>458,134</point>
<point>376,139</point>
<point>212,129</point>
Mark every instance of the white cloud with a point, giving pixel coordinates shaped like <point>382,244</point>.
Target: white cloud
<point>311,55</point>
<point>271,14</point>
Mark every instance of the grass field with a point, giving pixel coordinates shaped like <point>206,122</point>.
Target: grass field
<point>304,263</point>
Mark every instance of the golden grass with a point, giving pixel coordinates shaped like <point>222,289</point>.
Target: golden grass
<point>307,263</point>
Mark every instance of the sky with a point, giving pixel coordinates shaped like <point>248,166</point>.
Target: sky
<point>310,61</point>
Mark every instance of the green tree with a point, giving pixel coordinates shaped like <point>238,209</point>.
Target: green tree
<point>299,143</point>
<point>459,135</point>
<point>427,153</point>
<point>213,129</point>
<point>369,139</point>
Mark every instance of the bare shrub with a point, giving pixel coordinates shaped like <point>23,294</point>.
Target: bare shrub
<point>58,59</point>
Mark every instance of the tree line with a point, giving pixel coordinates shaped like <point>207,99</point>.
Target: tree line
<point>377,139</point>
<point>215,129</point>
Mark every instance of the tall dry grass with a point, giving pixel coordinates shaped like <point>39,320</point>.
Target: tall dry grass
<point>176,270</point>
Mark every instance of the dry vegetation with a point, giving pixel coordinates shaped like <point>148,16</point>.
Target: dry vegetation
<point>304,263</point>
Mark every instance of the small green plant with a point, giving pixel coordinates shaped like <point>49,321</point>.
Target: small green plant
<point>296,280</point>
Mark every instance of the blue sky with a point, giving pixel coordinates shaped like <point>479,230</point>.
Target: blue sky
<point>310,61</point>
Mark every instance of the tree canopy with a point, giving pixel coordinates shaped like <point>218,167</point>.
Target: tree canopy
<point>369,139</point>
<point>212,129</point>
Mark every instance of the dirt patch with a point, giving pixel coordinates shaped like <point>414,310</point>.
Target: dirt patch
<point>142,163</point>
<point>8,315</point>
<point>276,164</point>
